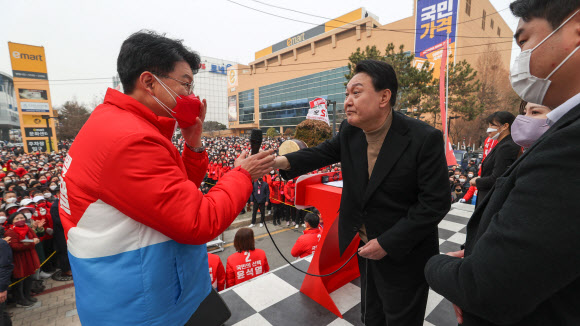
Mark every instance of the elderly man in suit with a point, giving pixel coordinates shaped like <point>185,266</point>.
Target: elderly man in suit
<point>521,264</point>
<point>395,192</point>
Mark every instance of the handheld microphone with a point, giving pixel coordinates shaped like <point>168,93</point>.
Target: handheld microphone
<point>256,140</point>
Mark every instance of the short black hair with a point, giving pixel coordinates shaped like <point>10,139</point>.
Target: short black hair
<point>382,74</point>
<point>501,118</point>
<point>150,51</point>
<point>312,220</point>
<point>554,11</point>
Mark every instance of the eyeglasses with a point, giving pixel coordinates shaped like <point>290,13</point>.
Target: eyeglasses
<point>188,86</point>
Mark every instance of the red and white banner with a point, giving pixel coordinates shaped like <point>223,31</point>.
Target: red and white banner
<point>318,110</point>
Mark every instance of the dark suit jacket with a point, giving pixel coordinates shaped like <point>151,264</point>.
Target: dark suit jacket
<point>495,164</point>
<point>522,255</point>
<point>406,196</point>
<point>264,194</point>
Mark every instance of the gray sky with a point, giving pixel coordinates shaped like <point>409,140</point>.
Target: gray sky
<point>82,38</point>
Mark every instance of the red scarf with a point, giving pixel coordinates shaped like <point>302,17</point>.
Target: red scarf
<point>21,231</point>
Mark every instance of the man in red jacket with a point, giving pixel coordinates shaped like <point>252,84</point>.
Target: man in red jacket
<point>217,272</point>
<point>289,191</point>
<point>306,244</point>
<point>136,259</point>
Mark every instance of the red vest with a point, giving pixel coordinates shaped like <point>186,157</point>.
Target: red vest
<point>246,265</point>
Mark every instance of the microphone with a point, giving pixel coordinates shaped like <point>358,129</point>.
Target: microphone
<point>256,140</point>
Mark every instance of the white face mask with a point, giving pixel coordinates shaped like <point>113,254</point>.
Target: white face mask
<point>2,219</point>
<point>11,200</point>
<point>47,195</point>
<point>42,211</point>
<point>529,87</point>
<point>462,180</point>
<point>28,215</point>
<point>51,188</point>
<point>470,175</point>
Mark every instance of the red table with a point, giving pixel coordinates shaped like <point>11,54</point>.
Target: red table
<point>311,192</point>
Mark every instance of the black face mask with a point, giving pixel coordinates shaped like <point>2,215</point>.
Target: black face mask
<point>457,190</point>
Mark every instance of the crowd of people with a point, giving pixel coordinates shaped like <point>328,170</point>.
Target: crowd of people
<point>30,228</point>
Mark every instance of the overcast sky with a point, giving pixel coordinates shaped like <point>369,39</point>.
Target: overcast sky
<point>82,38</point>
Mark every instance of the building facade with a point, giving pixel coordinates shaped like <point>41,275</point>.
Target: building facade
<point>275,89</point>
<point>210,83</point>
<point>8,108</point>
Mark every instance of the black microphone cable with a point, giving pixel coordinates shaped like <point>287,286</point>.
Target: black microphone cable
<point>298,269</point>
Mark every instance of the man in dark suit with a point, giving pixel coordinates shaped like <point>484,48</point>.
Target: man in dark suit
<point>395,192</point>
<point>259,198</point>
<point>521,264</point>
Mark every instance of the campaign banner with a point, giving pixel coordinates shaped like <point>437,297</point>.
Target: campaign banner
<point>318,110</point>
<point>233,108</point>
<point>31,79</point>
<point>435,20</point>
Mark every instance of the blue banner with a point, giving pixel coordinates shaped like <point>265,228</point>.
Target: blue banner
<point>435,19</point>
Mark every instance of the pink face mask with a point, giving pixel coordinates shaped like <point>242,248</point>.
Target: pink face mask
<point>186,109</point>
<point>525,130</point>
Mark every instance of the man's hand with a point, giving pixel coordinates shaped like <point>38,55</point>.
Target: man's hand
<point>372,250</point>
<point>7,239</point>
<point>257,165</point>
<point>281,163</point>
<point>192,135</point>
<point>458,311</point>
<point>458,254</point>
<point>472,181</point>
<point>36,241</point>
<point>3,296</point>
<point>458,314</point>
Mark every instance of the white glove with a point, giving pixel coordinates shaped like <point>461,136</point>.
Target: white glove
<point>49,231</point>
<point>462,200</point>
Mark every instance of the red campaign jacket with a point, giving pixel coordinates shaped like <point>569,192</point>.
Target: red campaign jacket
<point>216,271</point>
<point>214,172</point>
<point>25,258</point>
<point>277,192</point>
<point>47,225</point>
<point>243,266</point>
<point>290,192</point>
<point>306,244</point>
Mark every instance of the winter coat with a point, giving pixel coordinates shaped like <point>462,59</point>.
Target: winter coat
<point>277,192</point>
<point>216,271</point>
<point>261,193</point>
<point>136,222</point>
<point>243,266</point>
<point>6,265</point>
<point>306,244</point>
<point>25,257</point>
<point>289,192</point>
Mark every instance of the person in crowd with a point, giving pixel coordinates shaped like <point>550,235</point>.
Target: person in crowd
<point>64,273</point>
<point>458,193</point>
<point>6,268</point>
<point>306,244</point>
<point>395,193</point>
<point>316,212</point>
<point>289,194</point>
<point>259,197</point>
<point>216,272</point>
<point>277,199</point>
<point>521,252</point>
<point>247,262</point>
<point>26,262</point>
<point>122,173</point>
<point>530,124</point>
<point>501,157</point>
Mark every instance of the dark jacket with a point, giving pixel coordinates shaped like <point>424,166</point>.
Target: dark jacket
<point>6,265</point>
<point>405,198</point>
<point>495,164</point>
<point>521,264</point>
<point>264,194</point>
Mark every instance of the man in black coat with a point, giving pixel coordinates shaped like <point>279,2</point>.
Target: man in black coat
<point>260,196</point>
<point>396,191</point>
<point>6,268</point>
<point>521,264</point>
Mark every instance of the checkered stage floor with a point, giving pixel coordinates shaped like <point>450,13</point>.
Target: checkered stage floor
<point>275,298</point>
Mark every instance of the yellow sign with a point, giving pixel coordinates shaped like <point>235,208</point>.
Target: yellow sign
<point>33,96</point>
<point>233,76</point>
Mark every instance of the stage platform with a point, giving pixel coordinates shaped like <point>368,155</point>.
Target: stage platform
<point>275,298</point>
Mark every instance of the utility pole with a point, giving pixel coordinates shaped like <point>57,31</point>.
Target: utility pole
<point>49,130</point>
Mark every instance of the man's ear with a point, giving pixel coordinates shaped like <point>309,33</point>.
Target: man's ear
<point>145,82</point>
<point>385,98</point>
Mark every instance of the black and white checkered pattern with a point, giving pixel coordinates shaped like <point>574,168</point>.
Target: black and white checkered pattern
<point>275,298</point>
